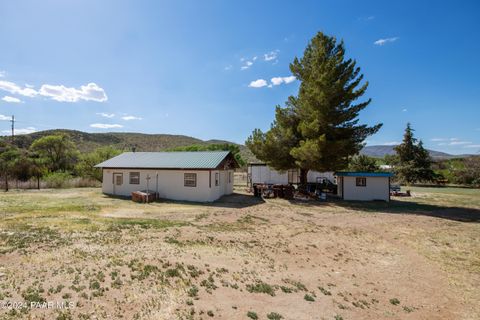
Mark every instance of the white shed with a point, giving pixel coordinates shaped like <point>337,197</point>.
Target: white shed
<point>202,176</point>
<point>364,186</point>
<point>259,173</point>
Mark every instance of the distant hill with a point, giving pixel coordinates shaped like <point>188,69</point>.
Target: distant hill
<point>381,151</point>
<point>87,142</point>
<point>158,142</point>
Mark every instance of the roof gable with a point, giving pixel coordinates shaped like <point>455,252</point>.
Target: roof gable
<point>170,160</point>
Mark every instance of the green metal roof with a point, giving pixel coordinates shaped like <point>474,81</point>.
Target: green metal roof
<point>167,160</point>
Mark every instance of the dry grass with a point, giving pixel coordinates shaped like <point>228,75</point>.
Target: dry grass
<point>240,258</point>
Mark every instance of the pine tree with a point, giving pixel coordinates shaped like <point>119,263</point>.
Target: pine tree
<point>413,161</point>
<point>363,163</point>
<point>317,130</point>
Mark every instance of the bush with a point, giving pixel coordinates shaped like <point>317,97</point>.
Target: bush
<point>57,179</point>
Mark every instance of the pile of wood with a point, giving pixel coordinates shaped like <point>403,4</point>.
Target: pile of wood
<point>143,196</point>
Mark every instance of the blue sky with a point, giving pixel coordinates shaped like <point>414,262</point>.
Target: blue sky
<point>217,69</point>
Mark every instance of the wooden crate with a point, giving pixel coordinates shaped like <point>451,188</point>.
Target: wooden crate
<point>143,196</point>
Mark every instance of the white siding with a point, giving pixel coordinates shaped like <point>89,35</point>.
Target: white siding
<point>170,184</point>
<point>377,188</point>
<point>265,174</point>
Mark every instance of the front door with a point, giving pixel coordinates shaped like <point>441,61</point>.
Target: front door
<point>117,181</point>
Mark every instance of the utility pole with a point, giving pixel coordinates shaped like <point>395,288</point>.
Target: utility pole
<point>13,128</point>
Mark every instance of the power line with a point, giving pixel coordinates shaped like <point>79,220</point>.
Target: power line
<point>13,128</point>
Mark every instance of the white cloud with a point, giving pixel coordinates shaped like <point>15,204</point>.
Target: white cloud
<point>229,67</point>
<point>90,92</point>
<point>17,131</point>
<point>127,118</point>
<point>247,65</point>
<point>381,42</point>
<point>367,18</point>
<point>105,125</point>
<point>472,146</point>
<point>2,117</point>
<point>15,89</point>
<point>450,141</point>
<point>272,55</point>
<point>456,143</point>
<point>404,110</point>
<point>390,143</point>
<point>258,83</point>
<point>26,130</point>
<point>3,73</point>
<point>11,99</point>
<point>279,80</point>
<point>106,115</point>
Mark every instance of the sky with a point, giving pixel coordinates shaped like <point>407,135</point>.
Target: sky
<point>217,69</point>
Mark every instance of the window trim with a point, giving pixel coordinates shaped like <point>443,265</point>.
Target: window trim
<point>361,181</point>
<point>130,177</point>
<point>193,177</point>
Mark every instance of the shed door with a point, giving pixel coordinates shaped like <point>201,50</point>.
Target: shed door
<point>117,180</point>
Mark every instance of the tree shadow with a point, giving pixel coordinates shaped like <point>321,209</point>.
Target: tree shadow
<point>402,207</point>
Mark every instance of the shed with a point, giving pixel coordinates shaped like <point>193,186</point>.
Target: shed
<point>202,176</point>
<point>364,186</point>
<point>261,173</point>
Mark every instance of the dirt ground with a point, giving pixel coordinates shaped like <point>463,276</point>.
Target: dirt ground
<point>77,254</point>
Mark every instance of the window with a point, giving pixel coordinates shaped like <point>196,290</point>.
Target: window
<point>217,179</point>
<point>230,174</point>
<point>190,179</point>
<point>361,182</point>
<point>134,177</point>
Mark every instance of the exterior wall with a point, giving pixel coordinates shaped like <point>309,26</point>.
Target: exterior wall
<point>313,175</point>
<point>264,174</point>
<point>170,184</point>
<point>377,188</point>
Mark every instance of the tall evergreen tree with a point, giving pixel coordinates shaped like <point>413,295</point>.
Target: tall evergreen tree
<point>363,163</point>
<point>413,162</point>
<point>317,130</point>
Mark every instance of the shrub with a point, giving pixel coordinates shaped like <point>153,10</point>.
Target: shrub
<point>274,316</point>
<point>57,179</point>
<point>308,298</point>
<point>261,287</point>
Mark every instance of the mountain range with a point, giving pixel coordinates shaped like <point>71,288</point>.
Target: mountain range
<point>86,142</point>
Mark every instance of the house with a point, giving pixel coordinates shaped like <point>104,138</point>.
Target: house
<point>364,186</point>
<point>202,176</point>
<point>260,173</point>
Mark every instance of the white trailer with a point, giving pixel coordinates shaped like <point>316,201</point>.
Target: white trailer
<point>260,173</point>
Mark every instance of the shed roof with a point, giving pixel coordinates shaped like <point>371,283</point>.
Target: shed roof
<point>363,174</point>
<point>169,160</point>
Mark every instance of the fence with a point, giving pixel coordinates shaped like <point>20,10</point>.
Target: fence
<point>33,184</point>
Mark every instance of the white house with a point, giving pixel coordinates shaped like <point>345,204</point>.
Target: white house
<point>202,176</point>
<point>364,186</point>
<point>261,173</point>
